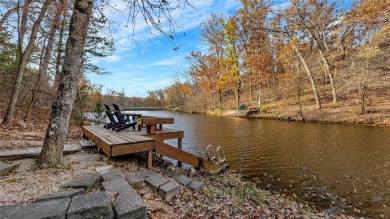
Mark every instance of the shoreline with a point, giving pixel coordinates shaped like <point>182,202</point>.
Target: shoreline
<point>295,117</point>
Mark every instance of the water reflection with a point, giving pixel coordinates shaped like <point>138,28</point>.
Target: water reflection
<point>336,167</point>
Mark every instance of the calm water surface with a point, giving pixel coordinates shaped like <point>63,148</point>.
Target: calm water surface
<point>337,168</point>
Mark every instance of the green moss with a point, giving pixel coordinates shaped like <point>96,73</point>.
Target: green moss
<point>11,180</point>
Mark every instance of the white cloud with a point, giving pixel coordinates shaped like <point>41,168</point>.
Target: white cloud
<point>185,18</point>
<point>143,61</point>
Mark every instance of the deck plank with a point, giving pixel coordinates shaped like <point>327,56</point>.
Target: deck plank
<point>128,135</point>
<point>109,136</point>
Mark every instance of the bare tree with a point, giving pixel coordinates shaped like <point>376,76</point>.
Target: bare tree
<point>23,58</point>
<point>151,11</point>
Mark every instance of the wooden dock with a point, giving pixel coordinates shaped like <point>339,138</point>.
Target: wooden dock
<point>148,137</point>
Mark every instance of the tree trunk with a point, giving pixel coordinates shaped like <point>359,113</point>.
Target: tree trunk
<point>23,25</point>
<point>250,89</point>
<point>330,75</point>
<point>35,91</point>
<point>310,75</point>
<point>219,98</point>
<point>59,56</point>
<point>259,89</point>
<point>46,60</point>
<point>238,97</point>
<point>52,151</point>
<point>362,95</point>
<point>82,108</point>
<point>22,65</point>
<point>321,51</point>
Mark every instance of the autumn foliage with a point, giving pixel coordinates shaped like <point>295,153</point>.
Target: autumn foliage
<point>312,54</point>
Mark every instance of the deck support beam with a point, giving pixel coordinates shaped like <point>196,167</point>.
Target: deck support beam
<point>150,160</point>
<point>180,146</point>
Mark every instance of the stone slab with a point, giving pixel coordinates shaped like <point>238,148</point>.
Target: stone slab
<point>84,180</point>
<point>169,190</point>
<point>87,144</point>
<point>104,168</point>
<point>52,209</point>
<point>6,168</point>
<point>95,205</point>
<point>32,152</point>
<point>119,185</point>
<point>135,177</point>
<point>155,180</point>
<point>111,174</point>
<point>184,180</point>
<point>129,206</point>
<point>8,210</point>
<point>62,194</point>
<point>196,185</point>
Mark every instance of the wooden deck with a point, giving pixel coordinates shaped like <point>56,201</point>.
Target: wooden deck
<point>132,141</point>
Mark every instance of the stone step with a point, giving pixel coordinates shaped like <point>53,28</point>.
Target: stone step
<point>155,180</point>
<point>196,185</point>
<point>87,144</point>
<point>31,152</point>
<point>184,180</point>
<point>51,209</point>
<point>84,180</point>
<point>6,168</point>
<point>96,205</point>
<point>169,190</point>
<point>188,182</point>
<point>119,185</point>
<point>104,168</point>
<point>112,174</point>
<point>165,187</point>
<point>137,177</point>
<point>129,205</point>
<point>62,194</point>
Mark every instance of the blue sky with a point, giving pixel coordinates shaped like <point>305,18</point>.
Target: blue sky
<point>151,63</point>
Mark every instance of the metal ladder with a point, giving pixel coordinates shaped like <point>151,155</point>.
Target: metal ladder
<point>219,157</point>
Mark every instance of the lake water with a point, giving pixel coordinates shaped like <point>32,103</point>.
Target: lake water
<point>337,168</point>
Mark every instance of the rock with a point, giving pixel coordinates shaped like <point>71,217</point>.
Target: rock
<point>129,206</point>
<point>6,168</point>
<point>119,185</point>
<point>196,185</point>
<point>96,205</point>
<point>62,194</point>
<point>155,180</point>
<point>22,124</point>
<point>87,144</point>
<point>377,198</point>
<point>333,210</point>
<point>184,180</point>
<point>104,168</point>
<point>323,188</point>
<point>168,190</point>
<point>84,180</point>
<point>135,177</point>
<point>52,209</point>
<point>111,174</point>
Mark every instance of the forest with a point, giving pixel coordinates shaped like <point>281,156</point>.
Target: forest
<point>307,56</point>
<point>312,55</point>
